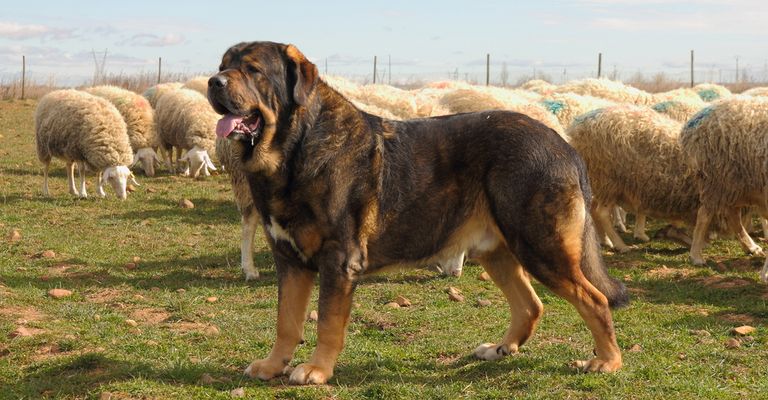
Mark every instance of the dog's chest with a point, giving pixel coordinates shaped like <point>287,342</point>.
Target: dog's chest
<point>281,233</point>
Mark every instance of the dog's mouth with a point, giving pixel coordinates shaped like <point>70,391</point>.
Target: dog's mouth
<point>233,126</point>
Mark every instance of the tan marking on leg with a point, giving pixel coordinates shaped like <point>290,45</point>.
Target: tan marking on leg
<point>593,308</point>
<point>308,240</point>
<point>294,292</point>
<point>703,218</point>
<point>334,313</point>
<point>524,305</point>
<point>250,223</point>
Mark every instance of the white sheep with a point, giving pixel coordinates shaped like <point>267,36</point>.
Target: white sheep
<point>681,109</point>
<point>186,121</point>
<point>726,145</point>
<point>86,130</point>
<point>634,160</point>
<point>140,121</point>
<point>567,106</point>
<point>198,84</point>
<point>756,91</point>
<point>711,91</point>
<point>607,89</point>
<point>153,93</point>
<point>539,86</point>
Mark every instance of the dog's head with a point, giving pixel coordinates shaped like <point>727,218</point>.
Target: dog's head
<point>257,83</point>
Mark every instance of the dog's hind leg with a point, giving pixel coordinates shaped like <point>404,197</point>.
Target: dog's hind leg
<point>526,308</point>
<point>294,289</point>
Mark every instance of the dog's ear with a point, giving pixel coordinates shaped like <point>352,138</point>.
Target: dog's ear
<point>306,74</point>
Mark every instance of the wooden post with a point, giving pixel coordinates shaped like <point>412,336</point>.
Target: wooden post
<point>23,74</point>
<point>374,70</point>
<point>159,68</point>
<point>488,69</point>
<point>389,70</point>
<point>691,68</point>
<point>599,64</point>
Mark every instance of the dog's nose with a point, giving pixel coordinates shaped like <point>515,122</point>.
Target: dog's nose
<point>217,81</point>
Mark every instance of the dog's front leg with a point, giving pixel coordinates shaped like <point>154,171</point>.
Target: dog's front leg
<point>337,283</point>
<point>294,289</point>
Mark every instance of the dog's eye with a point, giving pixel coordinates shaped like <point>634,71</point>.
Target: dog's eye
<point>253,69</point>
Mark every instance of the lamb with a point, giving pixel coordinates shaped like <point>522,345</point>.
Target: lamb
<point>198,84</point>
<point>726,145</point>
<point>711,92</point>
<point>607,89</point>
<point>154,93</point>
<point>567,106</point>
<point>86,130</point>
<point>634,160</point>
<point>185,120</point>
<point>679,110</point>
<point>140,120</point>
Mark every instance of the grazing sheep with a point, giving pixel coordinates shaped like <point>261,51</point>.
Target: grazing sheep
<point>470,100</point>
<point>756,91</point>
<point>86,130</point>
<point>634,160</point>
<point>140,120</point>
<point>711,92</point>
<point>397,101</point>
<point>154,93</point>
<point>607,89</point>
<point>680,94</point>
<point>679,110</point>
<point>186,121</point>
<point>567,106</point>
<point>726,145</point>
<point>198,84</point>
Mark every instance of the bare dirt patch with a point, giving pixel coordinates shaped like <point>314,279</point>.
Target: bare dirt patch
<point>22,315</point>
<point>152,316</point>
<point>719,282</point>
<point>738,318</point>
<point>107,295</point>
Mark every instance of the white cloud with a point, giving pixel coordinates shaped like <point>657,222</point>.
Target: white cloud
<point>152,40</point>
<point>16,31</point>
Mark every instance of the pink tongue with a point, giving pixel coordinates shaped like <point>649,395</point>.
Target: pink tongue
<point>227,124</point>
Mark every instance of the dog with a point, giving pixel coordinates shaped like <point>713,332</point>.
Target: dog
<point>343,194</point>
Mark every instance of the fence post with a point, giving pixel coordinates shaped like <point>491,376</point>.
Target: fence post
<point>691,68</point>
<point>599,64</point>
<point>159,68</point>
<point>488,69</point>
<point>389,70</point>
<point>23,74</point>
<point>374,70</point>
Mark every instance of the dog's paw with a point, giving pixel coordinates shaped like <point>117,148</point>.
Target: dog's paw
<point>308,374</point>
<point>597,365</point>
<point>266,369</point>
<point>491,351</point>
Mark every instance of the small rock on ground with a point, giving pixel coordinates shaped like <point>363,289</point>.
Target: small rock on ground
<point>402,301</point>
<point>312,316</point>
<point>186,203</point>
<point>59,293</point>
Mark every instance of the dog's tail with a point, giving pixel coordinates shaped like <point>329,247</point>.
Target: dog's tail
<point>592,265</point>
<point>594,269</point>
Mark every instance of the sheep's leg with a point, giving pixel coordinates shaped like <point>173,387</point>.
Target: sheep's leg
<point>178,159</point>
<point>619,218</point>
<point>764,224</point>
<point>602,215</point>
<point>703,219</point>
<point>734,224</point>
<point>639,230</point>
<point>100,189</point>
<point>46,165</point>
<point>71,178</point>
<point>764,272</point>
<point>250,221</point>
<point>167,154</point>
<point>81,173</point>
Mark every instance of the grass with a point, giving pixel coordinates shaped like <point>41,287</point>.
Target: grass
<point>680,315</point>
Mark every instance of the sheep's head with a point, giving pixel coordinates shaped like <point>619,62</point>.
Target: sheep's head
<point>118,177</point>
<point>199,161</point>
<point>148,158</point>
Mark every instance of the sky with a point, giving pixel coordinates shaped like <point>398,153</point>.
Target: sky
<point>423,40</point>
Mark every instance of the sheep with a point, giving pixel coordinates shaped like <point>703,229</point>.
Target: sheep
<point>756,91</point>
<point>679,110</point>
<point>86,130</point>
<point>140,120</point>
<point>198,84</point>
<point>470,100</point>
<point>539,86</point>
<point>634,160</point>
<point>726,145</point>
<point>567,106</point>
<point>185,120</point>
<point>607,89</point>
<point>154,93</point>
<point>711,92</point>
<point>680,94</point>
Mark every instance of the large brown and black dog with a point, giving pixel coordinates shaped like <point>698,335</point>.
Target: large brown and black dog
<point>344,194</point>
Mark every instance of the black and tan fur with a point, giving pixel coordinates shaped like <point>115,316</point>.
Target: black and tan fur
<point>345,194</point>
